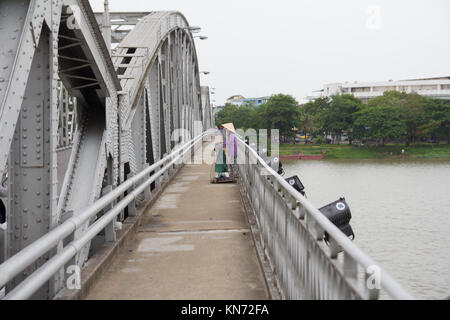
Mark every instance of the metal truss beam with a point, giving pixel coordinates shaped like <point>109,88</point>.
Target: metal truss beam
<point>112,116</point>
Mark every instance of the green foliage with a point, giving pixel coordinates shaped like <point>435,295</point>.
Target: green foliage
<point>280,112</point>
<point>311,119</point>
<point>319,140</point>
<point>241,117</point>
<point>333,115</point>
<point>412,107</point>
<point>394,116</point>
<point>340,117</point>
<point>317,106</point>
<point>379,123</point>
<point>436,120</point>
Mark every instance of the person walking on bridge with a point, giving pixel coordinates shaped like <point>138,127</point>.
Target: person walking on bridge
<point>231,146</point>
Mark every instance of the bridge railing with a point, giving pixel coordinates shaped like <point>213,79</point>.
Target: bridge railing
<point>291,232</point>
<point>132,187</point>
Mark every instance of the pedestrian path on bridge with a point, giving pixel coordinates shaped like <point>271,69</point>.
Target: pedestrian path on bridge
<point>193,243</point>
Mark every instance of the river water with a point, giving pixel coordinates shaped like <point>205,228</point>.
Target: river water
<point>400,214</point>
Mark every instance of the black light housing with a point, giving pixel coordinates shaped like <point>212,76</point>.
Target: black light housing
<point>276,165</point>
<point>295,182</point>
<point>338,212</point>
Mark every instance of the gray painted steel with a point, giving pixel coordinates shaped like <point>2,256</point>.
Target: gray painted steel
<point>60,90</point>
<point>29,286</point>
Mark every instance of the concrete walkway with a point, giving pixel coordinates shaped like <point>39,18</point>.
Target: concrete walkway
<point>194,243</point>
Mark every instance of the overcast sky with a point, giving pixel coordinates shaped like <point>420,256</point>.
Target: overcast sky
<point>264,47</point>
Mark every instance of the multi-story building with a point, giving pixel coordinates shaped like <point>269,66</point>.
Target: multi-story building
<point>241,100</point>
<point>234,98</point>
<point>438,87</point>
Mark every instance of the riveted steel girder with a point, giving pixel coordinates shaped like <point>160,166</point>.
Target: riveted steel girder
<point>127,108</point>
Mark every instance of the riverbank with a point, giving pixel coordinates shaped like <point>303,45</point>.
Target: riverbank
<point>329,151</point>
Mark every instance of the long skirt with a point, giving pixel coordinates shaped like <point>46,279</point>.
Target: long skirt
<point>221,161</point>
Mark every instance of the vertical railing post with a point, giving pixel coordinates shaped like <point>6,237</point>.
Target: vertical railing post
<point>132,205</point>
<point>334,248</point>
<point>373,292</point>
<point>165,175</point>
<point>110,232</point>
<point>147,191</point>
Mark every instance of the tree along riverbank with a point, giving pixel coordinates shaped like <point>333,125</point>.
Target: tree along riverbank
<point>330,151</point>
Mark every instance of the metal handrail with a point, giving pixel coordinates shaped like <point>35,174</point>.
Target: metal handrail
<point>338,239</point>
<point>21,260</point>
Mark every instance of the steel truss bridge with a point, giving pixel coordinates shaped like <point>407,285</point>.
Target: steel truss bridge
<point>88,109</point>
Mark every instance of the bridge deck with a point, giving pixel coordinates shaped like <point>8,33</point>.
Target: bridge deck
<point>194,243</point>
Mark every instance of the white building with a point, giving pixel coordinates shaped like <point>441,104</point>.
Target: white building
<point>438,87</point>
<point>240,100</point>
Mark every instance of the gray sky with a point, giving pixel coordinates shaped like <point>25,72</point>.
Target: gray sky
<point>264,47</point>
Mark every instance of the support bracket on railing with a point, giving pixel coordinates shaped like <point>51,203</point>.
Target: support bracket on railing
<point>319,232</point>
<point>334,248</point>
<point>293,203</point>
<point>301,211</point>
<point>350,266</point>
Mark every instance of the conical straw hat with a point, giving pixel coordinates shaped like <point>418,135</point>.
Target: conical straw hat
<point>229,127</point>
